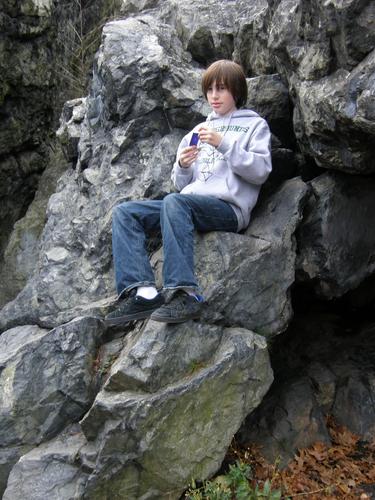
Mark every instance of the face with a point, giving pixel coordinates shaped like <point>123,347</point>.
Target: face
<point>220,99</point>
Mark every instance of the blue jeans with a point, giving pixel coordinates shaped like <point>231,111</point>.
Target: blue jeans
<point>177,215</point>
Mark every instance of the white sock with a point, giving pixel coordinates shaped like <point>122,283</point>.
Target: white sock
<point>147,292</point>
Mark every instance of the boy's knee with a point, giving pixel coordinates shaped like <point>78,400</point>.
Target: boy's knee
<point>123,210</point>
<point>173,199</point>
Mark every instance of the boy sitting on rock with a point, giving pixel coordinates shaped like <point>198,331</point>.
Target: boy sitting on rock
<point>218,180</point>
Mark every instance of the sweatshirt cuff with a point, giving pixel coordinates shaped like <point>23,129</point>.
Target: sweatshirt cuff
<point>224,145</point>
<point>183,170</point>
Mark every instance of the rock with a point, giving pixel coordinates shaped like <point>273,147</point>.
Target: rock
<point>290,419</point>
<point>22,311</point>
<point>17,188</point>
<point>353,402</point>
<point>8,458</point>
<point>334,119</point>
<point>308,39</point>
<point>61,478</point>
<point>36,8</point>
<point>135,6</point>
<point>293,22</point>
<point>30,46</point>
<point>140,444</point>
<point>251,39</point>
<point>21,252</point>
<point>336,249</point>
<point>285,165</point>
<point>269,96</point>
<point>39,45</point>
<point>329,67</point>
<point>59,385</point>
<point>163,356</point>
<point>141,423</point>
<point>344,378</point>
<point>173,397</point>
<point>58,389</point>
<point>122,154</point>
<point>69,131</point>
<point>207,30</point>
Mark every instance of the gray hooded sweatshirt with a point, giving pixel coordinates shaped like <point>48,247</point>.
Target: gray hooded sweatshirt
<point>236,169</point>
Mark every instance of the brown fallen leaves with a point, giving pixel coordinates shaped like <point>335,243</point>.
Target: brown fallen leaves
<point>321,471</point>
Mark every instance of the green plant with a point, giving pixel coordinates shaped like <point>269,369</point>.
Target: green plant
<point>235,485</point>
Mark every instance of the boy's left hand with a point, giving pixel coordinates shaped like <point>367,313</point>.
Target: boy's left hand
<point>209,135</point>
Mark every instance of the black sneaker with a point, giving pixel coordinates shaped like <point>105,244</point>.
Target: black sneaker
<point>132,308</point>
<point>180,308</point>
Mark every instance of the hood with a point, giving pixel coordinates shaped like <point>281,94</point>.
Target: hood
<point>238,113</point>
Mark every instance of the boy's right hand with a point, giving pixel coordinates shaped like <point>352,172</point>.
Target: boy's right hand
<point>188,156</point>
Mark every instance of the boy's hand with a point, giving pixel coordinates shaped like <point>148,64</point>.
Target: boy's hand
<point>210,136</point>
<point>188,156</point>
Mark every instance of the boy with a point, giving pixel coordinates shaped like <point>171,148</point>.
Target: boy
<point>218,182</point>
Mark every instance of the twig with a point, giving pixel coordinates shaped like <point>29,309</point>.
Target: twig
<point>310,492</point>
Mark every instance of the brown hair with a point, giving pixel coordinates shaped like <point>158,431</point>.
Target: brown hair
<point>231,75</point>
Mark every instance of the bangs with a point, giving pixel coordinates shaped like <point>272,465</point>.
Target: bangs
<point>231,75</point>
<point>219,74</point>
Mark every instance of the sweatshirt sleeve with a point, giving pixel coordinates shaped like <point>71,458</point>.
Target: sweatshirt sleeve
<point>251,161</point>
<point>181,176</point>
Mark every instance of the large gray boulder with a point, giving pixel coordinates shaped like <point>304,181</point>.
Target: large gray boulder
<point>167,433</point>
<point>8,458</point>
<point>47,380</point>
<point>307,37</point>
<point>149,430</point>
<point>125,151</point>
<point>60,381</point>
<point>336,241</point>
<point>50,470</point>
<point>268,95</point>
